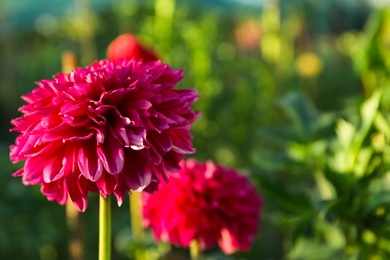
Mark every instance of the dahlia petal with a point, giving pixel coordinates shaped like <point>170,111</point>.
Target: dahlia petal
<point>100,132</point>
<point>69,160</point>
<point>136,140</point>
<point>77,191</point>
<point>111,153</point>
<point>162,142</point>
<point>172,118</point>
<point>50,121</point>
<point>226,242</point>
<point>171,161</point>
<point>55,191</point>
<point>181,140</point>
<point>35,94</point>
<point>32,174</point>
<point>23,145</point>
<point>18,173</point>
<point>79,121</point>
<point>58,129</point>
<point>37,149</point>
<point>116,96</point>
<point>138,174</point>
<point>159,124</point>
<point>78,138</point>
<point>99,120</point>
<point>53,169</point>
<point>48,137</point>
<point>73,110</point>
<point>152,187</point>
<point>170,97</point>
<point>133,116</point>
<point>152,155</point>
<point>80,90</point>
<point>54,86</point>
<point>119,131</point>
<point>161,169</point>
<point>188,95</point>
<point>141,104</point>
<point>106,184</point>
<point>120,191</point>
<point>89,164</point>
<point>101,109</point>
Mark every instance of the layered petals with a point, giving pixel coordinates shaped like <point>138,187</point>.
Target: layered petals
<point>112,127</point>
<point>204,202</point>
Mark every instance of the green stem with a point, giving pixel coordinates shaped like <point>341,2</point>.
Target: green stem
<point>195,252</point>
<point>105,228</point>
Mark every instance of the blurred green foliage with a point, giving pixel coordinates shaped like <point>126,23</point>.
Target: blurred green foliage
<point>295,95</point>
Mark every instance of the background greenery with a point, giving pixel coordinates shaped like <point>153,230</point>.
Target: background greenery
<point>294,93</point>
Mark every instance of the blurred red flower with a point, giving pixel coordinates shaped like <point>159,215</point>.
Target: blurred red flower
<point>206,202</point>
<point>111,127</point>
<point>129,47</point>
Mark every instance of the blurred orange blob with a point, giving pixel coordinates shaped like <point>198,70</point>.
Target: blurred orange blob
<point>248,35</point>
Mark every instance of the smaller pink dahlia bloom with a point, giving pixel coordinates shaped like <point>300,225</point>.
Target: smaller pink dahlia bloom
<point>129,47</point>
<point>112,127</point>
<point>206,202</point>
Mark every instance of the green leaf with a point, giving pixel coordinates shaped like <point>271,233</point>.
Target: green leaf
<point>301,112</point>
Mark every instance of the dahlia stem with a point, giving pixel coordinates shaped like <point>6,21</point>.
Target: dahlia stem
<point>195,252</point>
<point>104,228</point>
<point>136,224</point>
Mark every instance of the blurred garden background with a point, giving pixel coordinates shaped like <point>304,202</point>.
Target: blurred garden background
<point>294,93</point>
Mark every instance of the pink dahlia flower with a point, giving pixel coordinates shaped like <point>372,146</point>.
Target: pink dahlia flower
<point>111,127</point>
<point>129,47</point>
<point>206,202</point>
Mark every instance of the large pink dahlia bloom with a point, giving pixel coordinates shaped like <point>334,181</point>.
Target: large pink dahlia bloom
<point>206,202</point>
<point>111,127</point>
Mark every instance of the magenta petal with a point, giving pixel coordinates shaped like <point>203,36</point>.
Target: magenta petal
<point>56,191</point>
<point>106,184</point>
<point>181,139</point>
<point>116,95</point>
<point>133,116</point>
<point>137,174</point>
<point>33,171</point>
<point>119,197</point>
<point>74,110</point>
<point>136,139</point>
<point>69,161</point>
<point>119,131</point>
<point>77,192</point>
<point>25,144</point>
<point>152,187</point>
<point>162,142</point>
<point>18,173</point>
<point>89,164</point>
<point>120,190</point>
<point>52,170</point>
<point>152,155</point>
<point>112,155</point>
<point>141,104</point>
